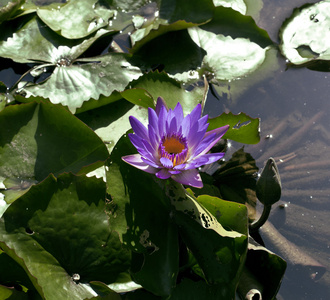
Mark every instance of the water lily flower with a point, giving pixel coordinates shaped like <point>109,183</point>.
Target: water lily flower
<point>173,145</point>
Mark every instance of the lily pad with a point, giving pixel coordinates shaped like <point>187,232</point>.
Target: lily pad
<point>160,84</point>
<point>8,8</point>
<point>228,58</point>
<point>305,35</point>
<point>73,84</point>
<point>243,128</point>
<point>77,19</point>
<point>59,233</point>
<point>44,138</point>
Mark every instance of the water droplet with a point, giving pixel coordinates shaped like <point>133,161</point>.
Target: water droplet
<point>101,74</point>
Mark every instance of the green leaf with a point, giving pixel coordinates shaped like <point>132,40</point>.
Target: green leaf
<point>173,15</point>
<point>174,51</point>
<point>196,290</point>
<point>194,11</point>
<point>226,57</point>
<point>243,129</point>
<point>229,22</point>
<point>140,214</point>
<point>8,8</point>
<point>305,35</point>
<point>267,267</point>
<point>138,97</point>
<point>238,5</point>
<point>44,138</point>
<point>59,233</point>
<point>161,85</point>
<point>33,34</point>
<point>236,180</point>
<point>77,19</point>
<point>112,121</point>
<point>73,84</point>
<point>230,215</point>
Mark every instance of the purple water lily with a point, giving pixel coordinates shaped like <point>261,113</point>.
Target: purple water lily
<point>173,145</point>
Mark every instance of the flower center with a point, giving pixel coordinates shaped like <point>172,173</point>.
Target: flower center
<point>174,147</point>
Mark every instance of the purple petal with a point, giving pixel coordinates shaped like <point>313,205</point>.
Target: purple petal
<point>219,132</point>
<point>136,141</point>
<point>153,138</point>
<point>167,163</point>
<point>185,126</point>
<point>178,113</point>
<point>153,119</point>
<point>163,174</point>
<point>204,160</point>
<point>189,177</point>
<point>149,151</point>
<point>196,113</point>
<point>138,128</point>
<point>162,121</point>
<point>150,162</point>
<point>160,103</point>
<point>136,161</point>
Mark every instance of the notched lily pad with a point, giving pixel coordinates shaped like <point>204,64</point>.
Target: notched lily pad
<point>305,36</point>
<point>228,58</point>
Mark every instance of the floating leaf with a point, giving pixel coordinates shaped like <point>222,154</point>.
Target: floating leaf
<point>243,129</point>
<point>59,233</point>
<point>238,5</point>
<point>161,85</point>
<point>226,57</point>
<point>305,35</point>
<point>77,19</point>
<point>73,84</point>
<point>39,139</point>
<point>173,15</point>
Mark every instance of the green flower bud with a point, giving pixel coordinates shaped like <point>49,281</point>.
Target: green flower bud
<point>269,184</point>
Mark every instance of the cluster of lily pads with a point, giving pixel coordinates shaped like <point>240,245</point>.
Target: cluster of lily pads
<point>77,222</point>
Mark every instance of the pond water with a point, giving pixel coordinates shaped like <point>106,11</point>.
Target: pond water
<point>294,108</point>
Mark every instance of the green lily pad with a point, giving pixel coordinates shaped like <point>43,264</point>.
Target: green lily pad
<point>77,19</point>
<point>228,58</point>
<point>161,85</point>
<point>44,138</point>
<point>243,128</point>
<point>172,15</point>
<point>73,84</point>
<point>51,47</point>
<point>305,35</point>
<point>59,233</point>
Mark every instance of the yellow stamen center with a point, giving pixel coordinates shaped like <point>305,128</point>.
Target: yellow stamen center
<point>173,146</point>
